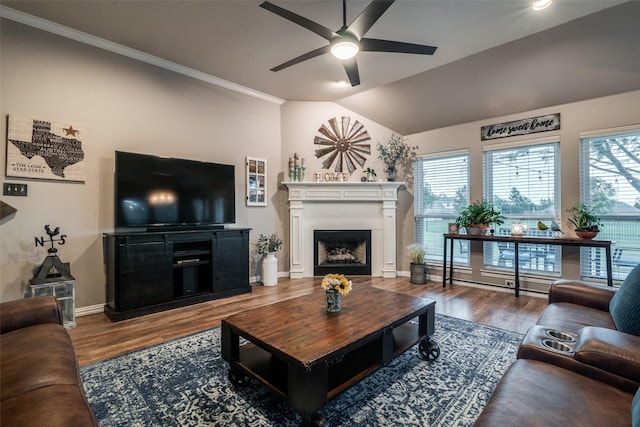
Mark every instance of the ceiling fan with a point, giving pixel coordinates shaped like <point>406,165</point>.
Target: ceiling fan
<point>346,42</point>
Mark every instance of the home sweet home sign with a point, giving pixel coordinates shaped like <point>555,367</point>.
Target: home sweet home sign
<point>521,127</point>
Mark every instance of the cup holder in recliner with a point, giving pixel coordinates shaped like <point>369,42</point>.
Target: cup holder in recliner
<point>559,335</point>
<point>557,346</point>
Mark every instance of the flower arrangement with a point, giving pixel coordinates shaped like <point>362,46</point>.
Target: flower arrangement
<point>337,282</point>
<point>397,150</point>
<point>265,244</point>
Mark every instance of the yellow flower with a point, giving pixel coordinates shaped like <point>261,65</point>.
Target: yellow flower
<point>338,282</point>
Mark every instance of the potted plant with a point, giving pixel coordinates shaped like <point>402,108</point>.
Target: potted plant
<point>418,269</point>
<point>267,246</point>
<point>478,217</point>
<point>585,220</point>
<point>370,174</point>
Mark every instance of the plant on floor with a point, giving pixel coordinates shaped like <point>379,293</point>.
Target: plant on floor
<point>479,214</point>
<point>584,218</point>
<point>267,244</point>
<point>416,253</point>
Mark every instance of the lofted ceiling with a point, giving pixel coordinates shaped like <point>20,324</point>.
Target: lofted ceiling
<point>494,57</point>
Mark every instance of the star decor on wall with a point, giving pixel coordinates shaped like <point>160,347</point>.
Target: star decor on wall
<point>344,144</point>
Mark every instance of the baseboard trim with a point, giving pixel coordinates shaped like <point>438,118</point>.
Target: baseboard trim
<point>90,309</point>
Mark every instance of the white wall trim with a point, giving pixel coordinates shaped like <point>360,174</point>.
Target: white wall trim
<point>61,30</point>
<point>90,309</point>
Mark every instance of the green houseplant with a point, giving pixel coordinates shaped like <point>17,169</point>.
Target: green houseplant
<point>478,216</point>
<point>370,174</point>
<point>416,253</point>
<point>585,220</point>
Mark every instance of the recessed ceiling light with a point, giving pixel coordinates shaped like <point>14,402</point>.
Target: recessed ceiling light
<point>541,4</point>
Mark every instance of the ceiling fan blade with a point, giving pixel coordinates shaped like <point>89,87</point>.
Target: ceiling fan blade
<point>301,58</point>
<point>375,45</point>
<point>323,32</point>
<point>351,67</point>
<point>368,17</point>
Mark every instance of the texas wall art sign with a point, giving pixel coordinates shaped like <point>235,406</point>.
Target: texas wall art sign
<point>521,127</point>
<point>45,149</point>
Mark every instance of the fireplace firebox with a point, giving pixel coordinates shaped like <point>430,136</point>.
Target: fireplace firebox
<point>342,251</point>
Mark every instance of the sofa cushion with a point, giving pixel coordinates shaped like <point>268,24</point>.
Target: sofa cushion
<point>53,406</point>
<point>533,393</point>
<point>36,357</point>
<point>567,317</point>
<point>625,305</point>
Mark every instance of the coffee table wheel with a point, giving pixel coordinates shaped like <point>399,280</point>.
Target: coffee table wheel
<point>429,349</point>
<point>238,380</point>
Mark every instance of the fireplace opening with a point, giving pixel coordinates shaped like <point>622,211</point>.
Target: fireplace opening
<point>342,251</point>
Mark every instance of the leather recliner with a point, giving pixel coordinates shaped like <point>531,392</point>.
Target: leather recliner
<point>39,375</point>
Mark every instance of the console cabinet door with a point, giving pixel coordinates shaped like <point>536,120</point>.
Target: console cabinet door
<point>145,275</point>
<point>231,260</point>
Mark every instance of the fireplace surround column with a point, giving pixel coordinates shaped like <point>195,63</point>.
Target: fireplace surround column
<point>343,206</point>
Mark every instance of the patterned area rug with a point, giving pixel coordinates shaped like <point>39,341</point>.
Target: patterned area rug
<point>184,383</point>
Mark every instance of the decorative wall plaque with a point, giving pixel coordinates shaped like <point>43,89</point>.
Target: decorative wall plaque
<point>521,127</point>
<point>45,149</point>
<point>344,144</point>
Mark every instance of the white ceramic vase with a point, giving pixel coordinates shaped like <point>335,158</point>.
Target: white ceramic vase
<point>270,269</point>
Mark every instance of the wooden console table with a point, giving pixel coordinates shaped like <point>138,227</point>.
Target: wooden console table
<point>516,240</point>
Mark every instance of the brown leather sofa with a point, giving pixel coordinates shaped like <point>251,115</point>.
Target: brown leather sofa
<point>39,376</point>
<point>574,367</point>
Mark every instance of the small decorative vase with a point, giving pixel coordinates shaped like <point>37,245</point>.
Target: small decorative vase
<point>333,300</point>
<point>392,172</point>
<point>270,270</point>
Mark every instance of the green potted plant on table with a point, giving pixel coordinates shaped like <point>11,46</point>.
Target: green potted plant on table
<point>418,267</point>
<point>585,220</point>
<point>267,246</point>
<point>478,217</point>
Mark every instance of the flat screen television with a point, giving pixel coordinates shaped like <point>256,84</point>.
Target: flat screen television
<point>153,191</point>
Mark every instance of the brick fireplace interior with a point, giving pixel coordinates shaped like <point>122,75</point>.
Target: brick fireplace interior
<point>342,251</point>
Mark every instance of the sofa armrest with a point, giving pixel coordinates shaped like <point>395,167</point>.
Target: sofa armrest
<point>28,312</point>
<point>610,350</point>
<point>582,293</point>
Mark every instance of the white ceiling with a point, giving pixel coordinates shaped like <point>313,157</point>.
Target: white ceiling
<point>494,57</point>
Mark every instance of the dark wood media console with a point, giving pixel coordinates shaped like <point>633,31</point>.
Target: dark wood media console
<point>153,271</point>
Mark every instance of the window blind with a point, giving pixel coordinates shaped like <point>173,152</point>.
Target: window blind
<point>610,183</point>
<point>441,191</point>
<point>523,181</point>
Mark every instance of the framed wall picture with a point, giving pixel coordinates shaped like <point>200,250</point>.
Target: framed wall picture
<point>453,228</point>
<point>45,149</point>
<point>256,182</point>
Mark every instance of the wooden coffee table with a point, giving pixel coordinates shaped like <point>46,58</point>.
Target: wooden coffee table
<point>306,355</point>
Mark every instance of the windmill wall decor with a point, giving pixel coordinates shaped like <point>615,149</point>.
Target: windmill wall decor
<point>344,144</point>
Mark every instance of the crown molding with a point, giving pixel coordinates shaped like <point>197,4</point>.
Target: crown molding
<point>82,37</point>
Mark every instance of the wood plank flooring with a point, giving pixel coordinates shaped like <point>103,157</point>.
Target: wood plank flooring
<point>97,338</point>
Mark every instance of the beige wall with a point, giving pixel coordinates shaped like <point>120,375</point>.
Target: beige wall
<point>601,113</point>
<point>300,124</point>
<point>124,105</point>
<point>130,106</point>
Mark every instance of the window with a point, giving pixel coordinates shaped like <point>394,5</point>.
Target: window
<point>441,191</point>
<point>523,181</point>
<point>610,182</point>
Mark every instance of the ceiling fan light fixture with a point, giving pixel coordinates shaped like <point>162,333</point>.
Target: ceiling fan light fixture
<point>541,4</point>
<point>344,49</point>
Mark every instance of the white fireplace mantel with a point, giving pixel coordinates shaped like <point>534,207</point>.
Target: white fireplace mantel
<point>343,206</point>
